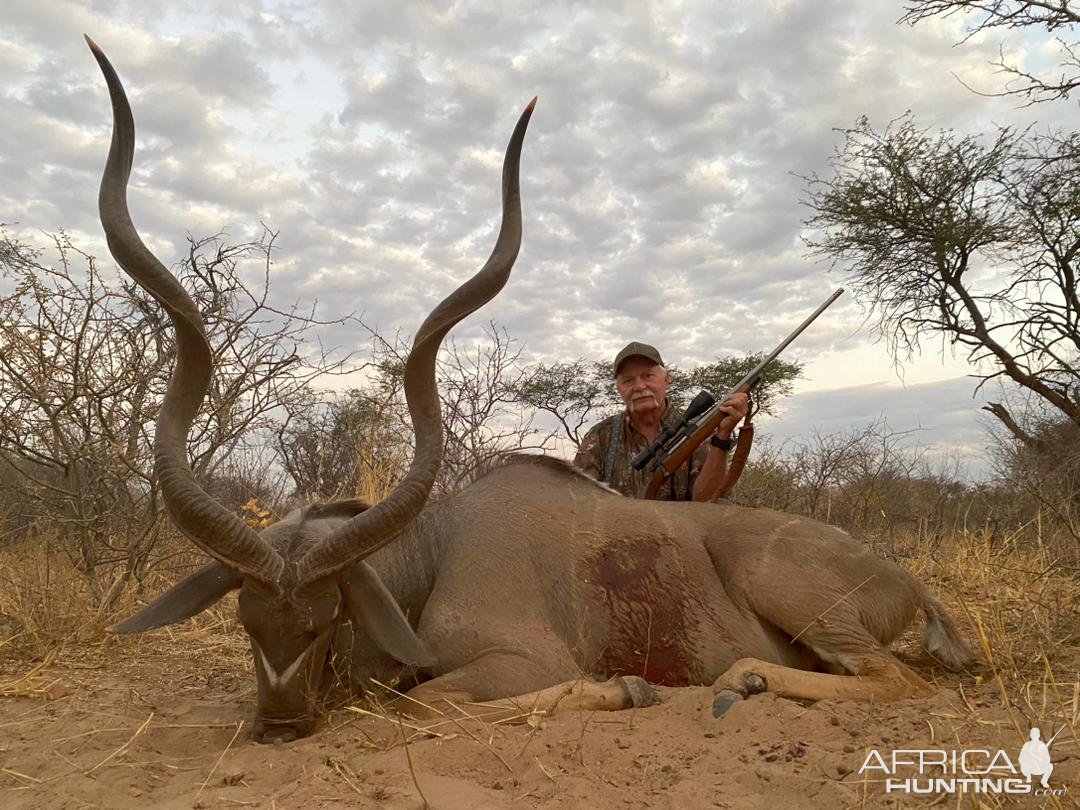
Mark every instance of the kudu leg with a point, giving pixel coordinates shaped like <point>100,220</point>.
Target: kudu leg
<point>845,625</point>
<point>880,676</point>
<point>464,692</point>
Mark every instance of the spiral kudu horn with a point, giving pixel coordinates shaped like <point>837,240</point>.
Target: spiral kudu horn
<point>206,523</point>
<point>379,525</point>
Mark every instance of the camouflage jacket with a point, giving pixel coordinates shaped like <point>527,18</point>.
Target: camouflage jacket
<point>592,457</point>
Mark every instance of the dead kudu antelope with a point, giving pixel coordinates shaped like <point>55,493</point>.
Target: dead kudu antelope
<point>533,587</point>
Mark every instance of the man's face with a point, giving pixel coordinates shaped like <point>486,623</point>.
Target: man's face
<point>642,384</point>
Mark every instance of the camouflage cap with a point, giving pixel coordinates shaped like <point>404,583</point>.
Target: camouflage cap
<point>636,349</point>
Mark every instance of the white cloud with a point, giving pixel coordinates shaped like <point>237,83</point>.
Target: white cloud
<point>659,195</point>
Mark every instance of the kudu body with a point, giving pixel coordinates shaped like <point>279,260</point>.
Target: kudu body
<point>523,588</point>
<point>548,576</point>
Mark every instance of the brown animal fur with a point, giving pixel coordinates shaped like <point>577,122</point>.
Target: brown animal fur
<point>552,578</point>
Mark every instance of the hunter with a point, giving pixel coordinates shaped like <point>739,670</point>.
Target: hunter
<point>642,382</point>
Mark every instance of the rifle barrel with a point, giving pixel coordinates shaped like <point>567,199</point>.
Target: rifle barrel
<point>1051,740</point>
<point>666,443</point>
<point>751,379</point>
<point>787,341</point>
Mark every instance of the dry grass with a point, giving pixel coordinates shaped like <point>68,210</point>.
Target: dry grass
<point>1019,599</point>
<point>32,683</point>
<point>47,609</point>
<point>44,602</point>
<point>1020,605</point>
<point>377,473</point>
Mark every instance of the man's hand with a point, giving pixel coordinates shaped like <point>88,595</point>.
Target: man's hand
<point>735,407</point>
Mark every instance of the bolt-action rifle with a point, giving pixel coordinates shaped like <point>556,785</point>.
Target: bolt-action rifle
<point>675,444</point>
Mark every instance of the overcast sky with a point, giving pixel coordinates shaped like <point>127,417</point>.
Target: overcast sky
<point>660,187</point>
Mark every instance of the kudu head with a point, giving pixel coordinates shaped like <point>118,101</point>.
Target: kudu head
<point>299,578</point>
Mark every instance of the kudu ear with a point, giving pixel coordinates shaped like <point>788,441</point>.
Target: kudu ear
<point>378,614</point>
<point>183,600</point>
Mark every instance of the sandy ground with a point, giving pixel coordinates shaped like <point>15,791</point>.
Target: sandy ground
<point>150,722</point>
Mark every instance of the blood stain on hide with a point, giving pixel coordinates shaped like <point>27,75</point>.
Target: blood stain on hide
<point>647,611</point>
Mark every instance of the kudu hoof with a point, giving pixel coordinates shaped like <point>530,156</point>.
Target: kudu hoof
<point>753,683</point>
<point>639,691</point>
<point>723,701</point>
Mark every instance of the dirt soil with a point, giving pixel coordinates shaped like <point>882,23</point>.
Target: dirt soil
<point>149,722</point>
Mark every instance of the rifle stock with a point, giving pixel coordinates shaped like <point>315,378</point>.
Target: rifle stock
<point>667,464</point>
<point>669,455</point>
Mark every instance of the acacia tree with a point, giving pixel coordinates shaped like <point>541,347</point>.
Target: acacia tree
<point>970,240</point>
<point>973,241</point>
<point>721,376</point>
<point>83,366</point>
<point>572,392</point>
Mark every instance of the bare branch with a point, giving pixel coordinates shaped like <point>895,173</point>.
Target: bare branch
<point>985,15</point>
<point>85,363</point>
